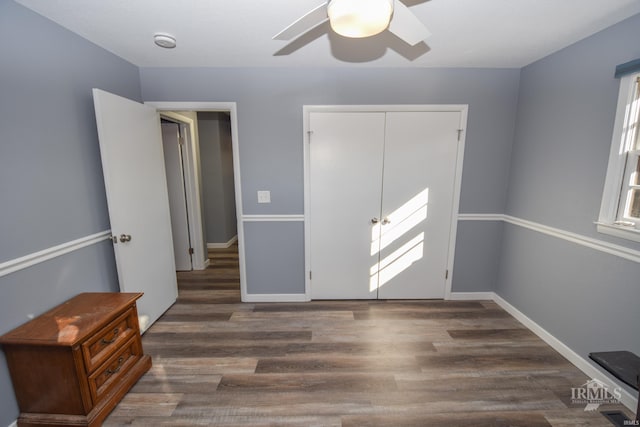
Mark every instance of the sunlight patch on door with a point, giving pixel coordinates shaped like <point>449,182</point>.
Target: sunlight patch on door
<point>401,221</point>
<point>393,227</point>
<point>396,262</point>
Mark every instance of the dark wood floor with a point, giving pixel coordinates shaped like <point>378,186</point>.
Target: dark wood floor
<point>219,362</point>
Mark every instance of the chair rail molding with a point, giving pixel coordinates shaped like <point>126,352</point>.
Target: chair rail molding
<point>589,242</point>
<point>34,258</point>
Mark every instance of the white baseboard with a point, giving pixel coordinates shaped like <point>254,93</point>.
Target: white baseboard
<point>13,424</point>
<point>223,245</point>
<point>471,296</point>
<point>627,399</point>
<point>275,298</point>
<point>201,265</point>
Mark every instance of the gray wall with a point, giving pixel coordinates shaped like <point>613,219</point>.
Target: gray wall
<point>285,264</point>
<point>567,106</point>
<point>270,104</point>
<point>477,257</point>
<point>567,103</point>
<point>216,160</point>
<point>52,190</point>
<point>51,183</point>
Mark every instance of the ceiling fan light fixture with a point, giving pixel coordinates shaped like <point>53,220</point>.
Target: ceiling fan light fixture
<point>359,18</point>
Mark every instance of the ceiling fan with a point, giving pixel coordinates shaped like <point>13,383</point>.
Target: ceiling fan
<point>361,18</point>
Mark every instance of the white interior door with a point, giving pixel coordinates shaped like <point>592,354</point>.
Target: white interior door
<point>345,180</point>
<point>417,203</point>
<point>136,187</point>
<point>177,200</point>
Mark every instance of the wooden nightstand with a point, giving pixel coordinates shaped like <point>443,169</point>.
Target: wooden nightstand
<point>73,364</point>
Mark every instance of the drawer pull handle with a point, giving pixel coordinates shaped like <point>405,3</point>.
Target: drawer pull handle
<point>112,340</point>
<point>117,368</point>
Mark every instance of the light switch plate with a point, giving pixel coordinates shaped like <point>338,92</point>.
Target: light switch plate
<point>264,196</point>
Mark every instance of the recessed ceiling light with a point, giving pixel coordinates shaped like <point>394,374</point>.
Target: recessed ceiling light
<point>164,40</point>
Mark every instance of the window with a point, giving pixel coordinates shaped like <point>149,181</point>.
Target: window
<point>620,210</point>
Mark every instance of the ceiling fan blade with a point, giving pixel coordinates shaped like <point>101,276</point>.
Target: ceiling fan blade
<point>313,18</point>
<point>406,25</point>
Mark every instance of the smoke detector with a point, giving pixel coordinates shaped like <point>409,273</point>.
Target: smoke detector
<point>164,40</point>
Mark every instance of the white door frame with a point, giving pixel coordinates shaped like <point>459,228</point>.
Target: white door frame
<point>200,259</point>
<point>195,174</point>
<point>307,109</point>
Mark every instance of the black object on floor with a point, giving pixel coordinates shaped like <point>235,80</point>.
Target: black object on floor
<point>624,365</point>
<point>618,418</point>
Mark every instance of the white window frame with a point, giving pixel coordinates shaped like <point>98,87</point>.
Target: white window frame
<point>614,199</point>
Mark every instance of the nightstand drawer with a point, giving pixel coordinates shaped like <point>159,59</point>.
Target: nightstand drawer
<point>97,349</point>
<point>107,375</point>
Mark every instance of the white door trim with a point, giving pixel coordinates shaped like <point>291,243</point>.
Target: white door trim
<point>230,107</point>
<point>308,109</point>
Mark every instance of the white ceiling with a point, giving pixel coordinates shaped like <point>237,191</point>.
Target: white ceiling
<point>237,33</point>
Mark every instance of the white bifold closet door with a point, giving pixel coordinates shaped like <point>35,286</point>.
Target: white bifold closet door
<point>381,203</point>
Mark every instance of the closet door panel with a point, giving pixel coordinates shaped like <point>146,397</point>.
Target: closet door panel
<point>417,200</point>
<point>345,177</point>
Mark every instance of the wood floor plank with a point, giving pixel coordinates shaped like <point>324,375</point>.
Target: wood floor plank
<point>307,383</point>
<point>371,348</point>
<point>313,306</point>
<point>210,349</point>
<point>491,334</point>
<point>319,402</point>
<point>528,419</point>
<point>181,308</point>
<point>226,337</point>
<point>491,361</point>
<point>425,314</point>
<point>431,305</point>
<point>205,285</point>
<point>313,316</point>
<point>334,364</point>
<point>147,404</point>
<point>203,365</point>
<point>186,317</point>
<point>224,420</point>
<point>160,382</point>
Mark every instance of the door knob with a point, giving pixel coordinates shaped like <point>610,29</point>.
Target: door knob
<point>386,221</point>
<point>125,238</point>
<point>374,220</point>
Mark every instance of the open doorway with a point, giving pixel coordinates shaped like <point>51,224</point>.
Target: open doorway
<point>218,189</point>
<point>220,227</point>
